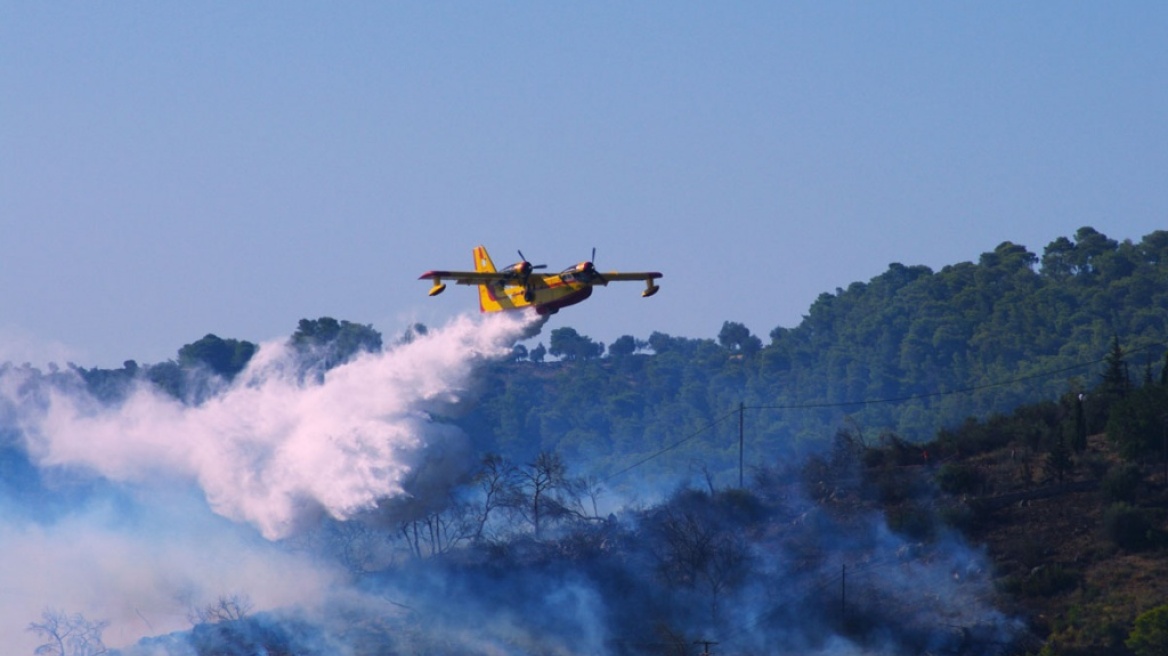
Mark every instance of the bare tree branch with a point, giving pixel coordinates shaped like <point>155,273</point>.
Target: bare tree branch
<point>68,635</point>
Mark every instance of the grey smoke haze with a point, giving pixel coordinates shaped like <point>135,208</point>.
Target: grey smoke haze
<point>141,562</point>
<point>157,503</point>
<point>138,512</point>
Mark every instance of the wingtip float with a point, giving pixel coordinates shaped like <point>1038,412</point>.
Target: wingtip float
<point>518,286</point>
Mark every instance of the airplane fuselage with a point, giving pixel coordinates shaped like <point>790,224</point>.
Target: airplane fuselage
<point>518,286</point>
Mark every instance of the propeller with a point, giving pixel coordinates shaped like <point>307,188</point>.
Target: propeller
<point>525,269</point>
<point>529,266</point>
<point>590,268</point>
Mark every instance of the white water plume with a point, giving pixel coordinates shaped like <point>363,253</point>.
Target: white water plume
<point>113,528</point>
<point>274,449</point>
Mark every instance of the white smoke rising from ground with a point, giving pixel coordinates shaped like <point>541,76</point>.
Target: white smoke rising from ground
<point>19,346</point>
<point>274,449</point>
<point>142,573</point>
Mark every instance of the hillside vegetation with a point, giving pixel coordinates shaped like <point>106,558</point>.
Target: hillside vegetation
<point>910,352</point>
<point>1076,522</point>
<point>967,461</point>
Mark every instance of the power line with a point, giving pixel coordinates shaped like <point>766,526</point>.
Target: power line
<point>673,446</point>
<point>963,390</point>
<point>846,404</point>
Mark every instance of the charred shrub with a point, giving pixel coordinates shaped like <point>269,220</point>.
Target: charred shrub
<point>1121,484</point>
<point>253,635</point>
<point>742,507</point>
<point>912,521</point>
<point>1043,581</point>
<point>959,478</point>
<point>974,436</point>
<point>1128,527</point>
<point>959,516</point>
<point>895,485</point>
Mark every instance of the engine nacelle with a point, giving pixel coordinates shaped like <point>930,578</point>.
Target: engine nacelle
<point>438,288</point>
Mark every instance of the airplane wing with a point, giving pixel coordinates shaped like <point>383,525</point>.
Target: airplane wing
<point>465,277</point>
<point>647,276</point>
<point>462,278</point>
<point>644,275</point>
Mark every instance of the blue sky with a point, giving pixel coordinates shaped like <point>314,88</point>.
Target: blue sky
<point>171,169</point>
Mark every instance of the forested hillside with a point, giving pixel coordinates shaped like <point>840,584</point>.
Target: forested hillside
<point>1017,400</point>
<point>909,352</point>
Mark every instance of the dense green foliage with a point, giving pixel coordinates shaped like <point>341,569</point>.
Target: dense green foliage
<point>910,352</point>
<point>1150,635</point>
<point>327,342</point>
<point>320,343</point>
<point>225,357</point>
<point>896,387</point>
<point>569,345</point>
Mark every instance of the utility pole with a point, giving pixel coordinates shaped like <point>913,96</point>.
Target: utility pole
<point>843,590</point>
<point>1164,421</point>
<point>741,413</point>
<point>705,646</point>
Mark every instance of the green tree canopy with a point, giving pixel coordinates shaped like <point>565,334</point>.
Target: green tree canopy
<point>226,357</point>
<point>622,346</point>
<point>969,340</point>
<point>1149,636</point>
<point>736,337</point>
<point>570,345</point>
<point>328,342</point>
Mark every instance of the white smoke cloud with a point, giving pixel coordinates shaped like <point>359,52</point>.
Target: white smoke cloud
<point>142,569</point>
<point>274,449</point>
<point>136,543</point>
<point>20,346</point>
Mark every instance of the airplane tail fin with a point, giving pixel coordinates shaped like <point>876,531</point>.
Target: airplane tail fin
<point>483,264</point>
<point>483,261</point>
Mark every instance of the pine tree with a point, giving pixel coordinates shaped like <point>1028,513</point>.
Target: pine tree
<point>1059,457</point>
<point>1080,441</point>
<point>1115,378</point>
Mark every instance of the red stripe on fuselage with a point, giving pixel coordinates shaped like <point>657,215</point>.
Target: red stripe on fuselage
<point>570,299</point>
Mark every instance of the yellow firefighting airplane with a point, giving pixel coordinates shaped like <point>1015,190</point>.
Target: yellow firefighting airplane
<point>517,286</point>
